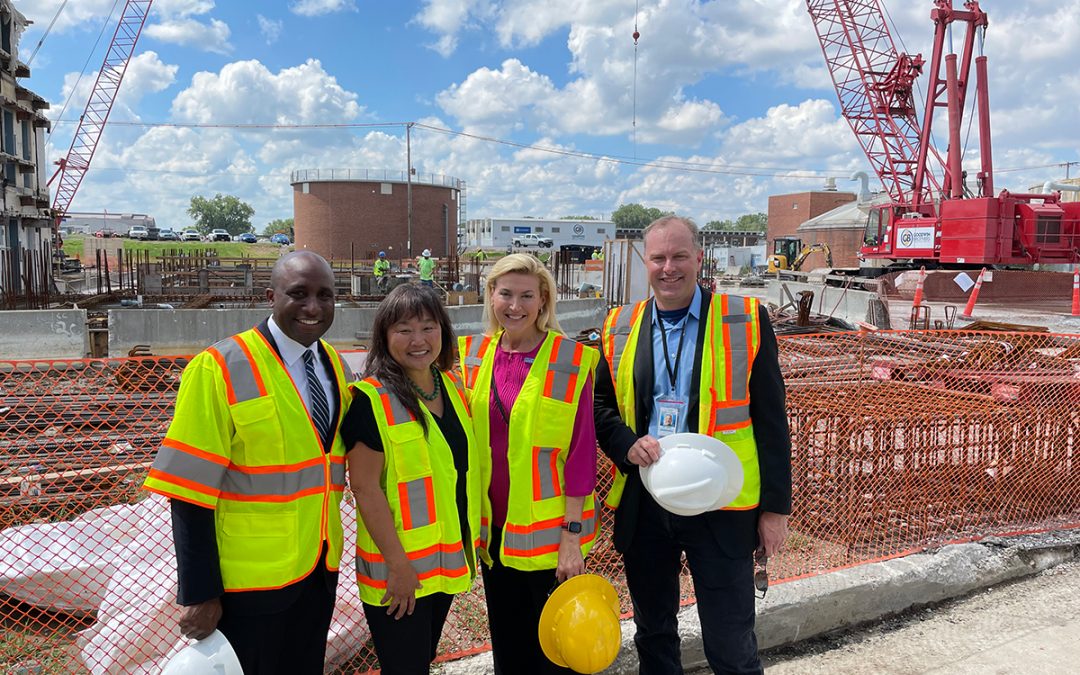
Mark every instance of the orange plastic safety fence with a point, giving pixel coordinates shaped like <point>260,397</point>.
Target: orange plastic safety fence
<point>901,441</point>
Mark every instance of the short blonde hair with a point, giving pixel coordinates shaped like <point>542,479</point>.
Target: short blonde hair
<point>519,263</point>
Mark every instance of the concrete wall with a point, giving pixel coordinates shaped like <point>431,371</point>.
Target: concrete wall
<point>189,331</point>
<point>847,304</point>
<point>58,334</point>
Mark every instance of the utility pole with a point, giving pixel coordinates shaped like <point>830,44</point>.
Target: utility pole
<point>408,186</point>
<point>1067,165</point>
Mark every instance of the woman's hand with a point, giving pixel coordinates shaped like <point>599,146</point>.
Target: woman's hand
<point>401,586</point>
<point>571,563</point>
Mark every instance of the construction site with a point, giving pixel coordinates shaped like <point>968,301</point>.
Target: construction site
<point>929,340</point>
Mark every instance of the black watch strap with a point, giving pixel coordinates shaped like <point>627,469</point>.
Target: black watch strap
<point>572,526</point>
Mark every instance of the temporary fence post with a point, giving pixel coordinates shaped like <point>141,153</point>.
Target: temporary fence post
<point>918,290</point>
<point>970,307</point>
<point>1076,291</point>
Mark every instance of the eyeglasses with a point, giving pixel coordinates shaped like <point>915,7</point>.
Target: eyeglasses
<point>761,573</point>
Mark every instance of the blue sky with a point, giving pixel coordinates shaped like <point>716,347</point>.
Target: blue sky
<point>734,89</point>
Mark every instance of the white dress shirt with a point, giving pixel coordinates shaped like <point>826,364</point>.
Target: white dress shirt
<point>292,355</point>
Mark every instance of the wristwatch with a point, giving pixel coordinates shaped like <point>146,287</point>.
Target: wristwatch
<point>572,526</point>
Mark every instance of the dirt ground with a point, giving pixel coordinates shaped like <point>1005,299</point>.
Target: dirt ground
<point>1031,626</point>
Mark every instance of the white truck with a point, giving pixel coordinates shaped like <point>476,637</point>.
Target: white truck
<point>532,239</point>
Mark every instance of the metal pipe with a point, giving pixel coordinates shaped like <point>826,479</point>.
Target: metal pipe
<point>1050,186</point>
<point>955,175</point>
<point>986,154</point>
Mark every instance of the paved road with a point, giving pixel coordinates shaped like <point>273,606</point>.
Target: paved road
<point>1029,627</point>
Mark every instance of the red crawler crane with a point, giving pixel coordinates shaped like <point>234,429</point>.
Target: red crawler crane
<point>74,165</point>
<point>932,219</point>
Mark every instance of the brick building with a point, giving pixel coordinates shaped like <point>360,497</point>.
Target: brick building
<point>346,213</point>
<point>26,225</point>
<point>788,212</point>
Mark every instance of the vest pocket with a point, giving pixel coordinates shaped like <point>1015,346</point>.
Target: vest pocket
<point>258,428</point>
<point>547,469</point>
<point>258,549</point>
<point>553,424</point>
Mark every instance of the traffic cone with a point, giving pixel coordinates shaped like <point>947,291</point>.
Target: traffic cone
<point>1076,291</point>
<point>970,307</point>
<point>918,290</point>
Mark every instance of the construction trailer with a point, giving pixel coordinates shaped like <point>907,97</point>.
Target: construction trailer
<point>499,233</point>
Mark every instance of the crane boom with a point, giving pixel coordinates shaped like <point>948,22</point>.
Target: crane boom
<point>74,165</point>
<point>874,84</point>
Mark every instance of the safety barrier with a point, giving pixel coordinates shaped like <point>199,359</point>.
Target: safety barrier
<point>901,441</point>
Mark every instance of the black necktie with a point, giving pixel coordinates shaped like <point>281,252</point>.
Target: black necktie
<point>320,409</point>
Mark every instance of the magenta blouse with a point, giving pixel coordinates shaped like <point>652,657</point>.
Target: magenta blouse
<point>579,472</point>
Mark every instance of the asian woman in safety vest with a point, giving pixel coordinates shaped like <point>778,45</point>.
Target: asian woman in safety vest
<point>416,473</point>
<point>530,391</point>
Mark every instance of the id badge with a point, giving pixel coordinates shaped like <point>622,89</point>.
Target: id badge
<point>669,412</point>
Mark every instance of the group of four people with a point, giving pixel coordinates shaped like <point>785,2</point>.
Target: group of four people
<point>483,461</point>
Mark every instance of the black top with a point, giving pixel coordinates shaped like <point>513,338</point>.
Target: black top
<point>360,426</point>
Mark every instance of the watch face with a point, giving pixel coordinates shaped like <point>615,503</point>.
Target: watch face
<point>572,527</point>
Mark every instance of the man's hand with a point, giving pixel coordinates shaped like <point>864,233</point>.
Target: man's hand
<point>644,451</point>
<point>199,621</point>
<point>772,532</point>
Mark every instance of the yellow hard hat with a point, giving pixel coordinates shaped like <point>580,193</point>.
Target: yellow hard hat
<point>579,625</point>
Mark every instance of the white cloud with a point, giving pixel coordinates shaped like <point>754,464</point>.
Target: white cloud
<point>270,29</point>
<point>321,7</point>
<point>494,100</point>
<point>246,92</point>
<point>212,36</point>
<point>178,9</point>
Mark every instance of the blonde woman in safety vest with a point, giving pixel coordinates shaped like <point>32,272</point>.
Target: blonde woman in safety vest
<point>530,390</point>
<point>415,471</point>
<point>688,360</point>
<point>254,468</point>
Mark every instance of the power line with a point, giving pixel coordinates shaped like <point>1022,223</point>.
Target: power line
<point>669,164</point>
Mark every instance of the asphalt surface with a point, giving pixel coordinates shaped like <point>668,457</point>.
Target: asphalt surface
<point>1030,626</point>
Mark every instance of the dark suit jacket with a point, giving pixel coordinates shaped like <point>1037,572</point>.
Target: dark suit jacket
<point>735,531</point>
<point>194,534</point>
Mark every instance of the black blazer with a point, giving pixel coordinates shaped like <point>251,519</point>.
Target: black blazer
<point>195,539</point>
<point>735,531</point>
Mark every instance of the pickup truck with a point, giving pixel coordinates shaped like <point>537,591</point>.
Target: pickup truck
<point>138,232</point>
<point>218,234</point>
<point>527,240</point>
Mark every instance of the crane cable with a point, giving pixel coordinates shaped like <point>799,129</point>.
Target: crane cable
<point>56,16</point>
<point>637,9</point>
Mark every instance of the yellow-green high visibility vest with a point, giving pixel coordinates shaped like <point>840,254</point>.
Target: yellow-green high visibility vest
<point>382,266</point>
<point>732,340</point>
<point>541,428</point>
<point>242,443</point>
<point>420,482</point>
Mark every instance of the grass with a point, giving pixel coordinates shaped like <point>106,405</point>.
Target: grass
<point>73,246</point>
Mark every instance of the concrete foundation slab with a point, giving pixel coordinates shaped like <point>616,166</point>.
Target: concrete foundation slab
<point>58,334</point>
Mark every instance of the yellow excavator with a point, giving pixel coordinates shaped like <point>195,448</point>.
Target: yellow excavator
<point>789,254</point>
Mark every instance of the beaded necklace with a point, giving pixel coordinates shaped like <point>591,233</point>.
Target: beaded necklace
<point>438,386</point>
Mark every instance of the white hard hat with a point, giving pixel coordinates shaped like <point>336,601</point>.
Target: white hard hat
<point>426,253</point>
<point>210,656</point>
<point>695,473</point>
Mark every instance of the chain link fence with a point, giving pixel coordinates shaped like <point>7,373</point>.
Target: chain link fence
<point>902,441</point>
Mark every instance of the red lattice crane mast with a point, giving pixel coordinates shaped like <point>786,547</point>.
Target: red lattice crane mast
<point>932,218</point>
<point>74,165</point>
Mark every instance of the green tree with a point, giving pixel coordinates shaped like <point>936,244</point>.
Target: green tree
<point>279,226</point>
<point>635,216</point>
<point>750,222</point>
<point>223,211</point>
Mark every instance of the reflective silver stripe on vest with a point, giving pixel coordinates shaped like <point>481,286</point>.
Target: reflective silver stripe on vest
<point>241,371</point>
<point>277,484</point>
<point>440,562</point>
<point>737,318</point>
<point>483,535</point>
<point>620,334</point>
<point>472,359</point>
<point>416,494</point>
<point>562,373</point>
<point>546,474</point>
<point>399,414</point>
<point>184,465</point>
<point>734,415</point>
<point>524,544</point>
